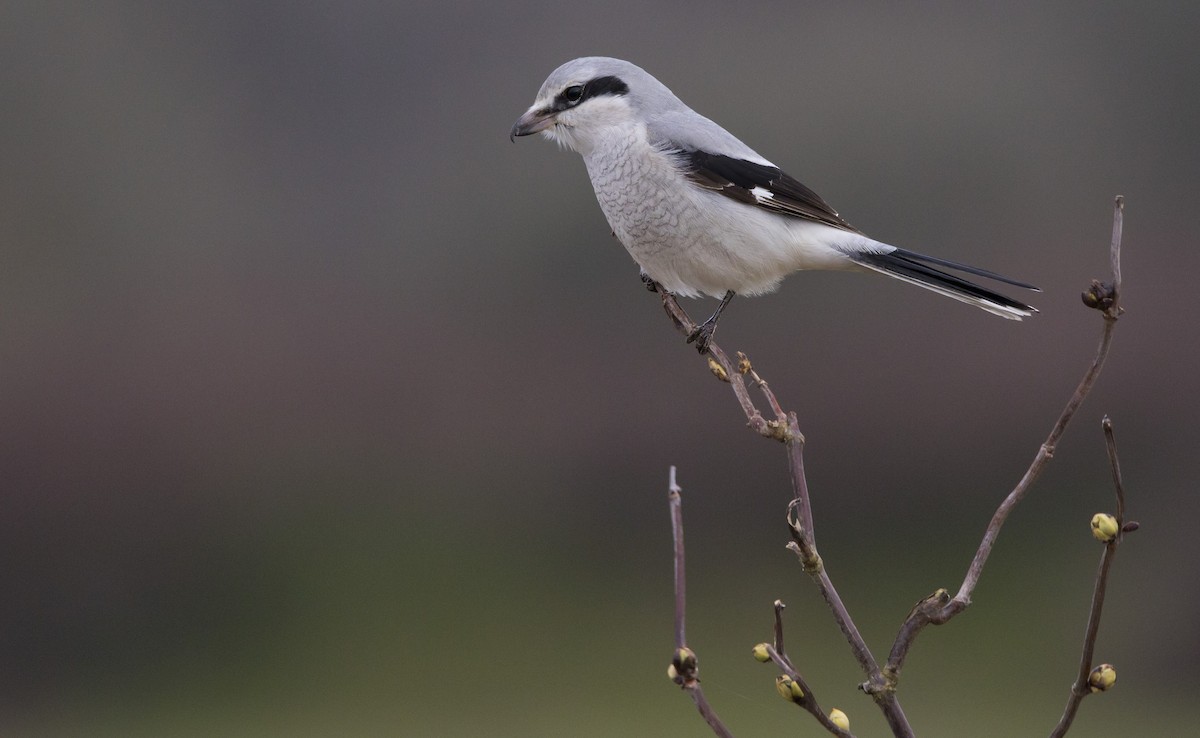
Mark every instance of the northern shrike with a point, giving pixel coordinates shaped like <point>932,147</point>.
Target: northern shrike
<point>701,212</point>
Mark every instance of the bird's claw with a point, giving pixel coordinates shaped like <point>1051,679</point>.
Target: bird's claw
<point>702,335</point>
<point>649,282</point>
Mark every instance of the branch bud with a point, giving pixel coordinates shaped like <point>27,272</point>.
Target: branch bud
<point>839,718</point>
<point>1102,678</point>
<point>717,370</point>
<point>683,667</point>
<point>788,688</point>
<point>1104,527</point>
<point>1099,295</point>
<point>760,653</point>
<point>684,659</point>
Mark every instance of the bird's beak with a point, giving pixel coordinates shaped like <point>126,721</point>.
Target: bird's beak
<point>534,120</point>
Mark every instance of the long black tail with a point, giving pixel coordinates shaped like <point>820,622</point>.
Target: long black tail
<point>915,268</point>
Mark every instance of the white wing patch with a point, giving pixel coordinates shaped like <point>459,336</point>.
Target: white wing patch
<point>763,195</point>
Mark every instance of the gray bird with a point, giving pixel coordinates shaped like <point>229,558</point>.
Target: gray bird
<point>701,212</point>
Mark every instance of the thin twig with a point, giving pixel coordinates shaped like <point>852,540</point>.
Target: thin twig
<point>1082,687</point>
<point>676,503</point>
<point>785,428</point>
<point>707,712</point>
<point>1104,297</point>
<point>808,700</point>
<point>801,503</point>
<point>744,367</point>
<point>779,606</point>
<point>800,523</point>
<point>684,665</point>
<point>1114,251</point>
<point>729,372</point>
<point>1110,444</point>
<point>936,608</point>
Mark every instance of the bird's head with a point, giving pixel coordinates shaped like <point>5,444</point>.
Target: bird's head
<point>587,98</point>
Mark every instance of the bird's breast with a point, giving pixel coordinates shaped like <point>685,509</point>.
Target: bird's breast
<point>638,188</point>
<point>687,239</point>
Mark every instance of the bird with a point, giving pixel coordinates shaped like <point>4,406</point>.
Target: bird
<point>702,213</point>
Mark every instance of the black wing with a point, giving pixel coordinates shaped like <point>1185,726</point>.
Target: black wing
<point>762,185</point>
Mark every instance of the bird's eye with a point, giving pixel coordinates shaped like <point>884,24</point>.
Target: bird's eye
<point>573,93</point>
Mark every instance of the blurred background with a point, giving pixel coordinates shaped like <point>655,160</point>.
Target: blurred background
<point>328,411</point>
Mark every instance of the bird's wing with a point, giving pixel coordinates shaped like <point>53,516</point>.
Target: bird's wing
<point>762,185</point>
<point>715,159</point>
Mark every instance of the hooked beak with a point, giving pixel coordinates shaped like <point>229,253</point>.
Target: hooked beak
<point>534,121</point>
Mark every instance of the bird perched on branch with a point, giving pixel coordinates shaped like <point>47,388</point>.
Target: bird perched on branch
<point>701,212</point>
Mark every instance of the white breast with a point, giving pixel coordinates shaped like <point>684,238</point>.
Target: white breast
<point>691,240</point>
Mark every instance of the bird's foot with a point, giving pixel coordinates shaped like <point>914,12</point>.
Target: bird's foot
<point>649,282</point>
<point>702,335</point>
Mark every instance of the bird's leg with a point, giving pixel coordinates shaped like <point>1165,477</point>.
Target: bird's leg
<point>649,282</point>
<point>704,332</point>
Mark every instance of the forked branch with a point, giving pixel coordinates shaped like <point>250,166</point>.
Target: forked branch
<point>938,607</point>
<point>791,684</point>
<point>785,428</point>
<point>1112,531</point>
<point>936,610</point>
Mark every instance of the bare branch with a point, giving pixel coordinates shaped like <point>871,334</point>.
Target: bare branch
<point>1083,685</point>
<point>1101,296</point>
<point>1080,688</point>
<point>676,504</point>
<point>707,712</point>
<point>806,698</point>
<point>1110,444</point>
<point>936,608</point>
<point>785,428</point>
<point>684,665</point>
<point>879,684</point>
<point>1114,251</point>
<point>779,606</point>
<point>730,372</point>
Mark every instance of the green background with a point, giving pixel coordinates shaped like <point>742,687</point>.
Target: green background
<point>328,411</point>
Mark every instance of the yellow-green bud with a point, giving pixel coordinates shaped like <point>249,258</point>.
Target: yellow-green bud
<point>1104,527</point>
<point>838,718</point>
<point>797,692</point>
<point>717,370</point>
<point>685,659</point>
<point>788,688</point>
<point>1102,678</point>
<point>783,687</point>
<point>682,670</point>
<point>760,653</point>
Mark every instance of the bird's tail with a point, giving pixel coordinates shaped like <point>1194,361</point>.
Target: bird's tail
<point>915,268</point>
